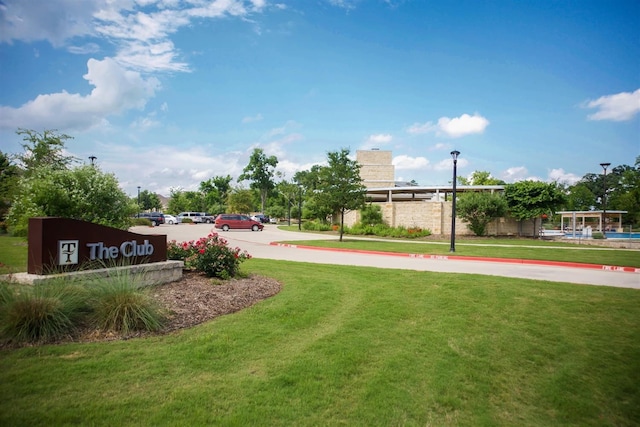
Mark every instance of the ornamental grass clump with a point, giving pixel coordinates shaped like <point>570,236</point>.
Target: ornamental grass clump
<point>210,255</point>
<point>119,304</point>
<point>41,313</point>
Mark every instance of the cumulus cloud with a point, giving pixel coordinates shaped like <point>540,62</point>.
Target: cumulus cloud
<point>559,175</point>
<point>139,29</point>
<point>463,125</point>
<point>115,90</point>
<point>517,173</point>
<point>452,127</point>
<point>619,107</point>
<point>250,119</point>
<point>403,162</point>
<point>375,141</point>
<point>447,164</point>
<point>52,20</point>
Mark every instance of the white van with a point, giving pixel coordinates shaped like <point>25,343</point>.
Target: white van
<point>196,217</point>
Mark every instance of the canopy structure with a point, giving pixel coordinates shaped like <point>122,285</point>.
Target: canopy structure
<point>578,220</point>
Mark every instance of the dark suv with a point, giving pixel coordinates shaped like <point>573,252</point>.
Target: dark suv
<point>229,221</point>
<point>156,218</point>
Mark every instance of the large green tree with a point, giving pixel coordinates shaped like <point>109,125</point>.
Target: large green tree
<point>340,186</point>
<point>82,192</point>
<point>240,200</point>
<point>43,150</point>
<point>215,192</point>
<point>149,201</point>
<point>260,172</point>
<point>480,208</point>
<point>529,200</point>
<point>9,175</point>
<point>480,178</point>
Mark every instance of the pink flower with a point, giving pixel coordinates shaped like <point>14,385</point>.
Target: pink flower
<point>201,251</point>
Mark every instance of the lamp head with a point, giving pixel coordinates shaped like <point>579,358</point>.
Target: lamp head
<point>605,165</point>
<point>455,154</point>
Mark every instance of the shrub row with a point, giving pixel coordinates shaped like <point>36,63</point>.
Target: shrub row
<point>384,230</point>
<point>46,312</point>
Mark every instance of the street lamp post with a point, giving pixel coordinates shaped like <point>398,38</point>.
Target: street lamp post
<point>138,201</point>
<point>93,159</point>
<point>300,207</point>
<point>604,198</point>
<point>454,155</point>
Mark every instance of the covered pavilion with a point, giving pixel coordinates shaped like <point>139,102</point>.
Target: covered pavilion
<point>578,220</point>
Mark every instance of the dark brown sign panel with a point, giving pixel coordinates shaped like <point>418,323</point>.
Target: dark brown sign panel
<point>63,244</point>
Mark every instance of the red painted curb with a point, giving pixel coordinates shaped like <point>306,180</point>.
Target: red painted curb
<point>467,258</point>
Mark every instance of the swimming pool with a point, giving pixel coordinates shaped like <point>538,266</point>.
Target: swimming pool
<point>612,235</point>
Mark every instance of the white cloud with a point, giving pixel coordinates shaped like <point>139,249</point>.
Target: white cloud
<point>447,164</point>
<point>375,141</point>
<point>419,128</point>
<point>115,90</point>
<point>517,173</point>
<point>619,107</point>
<point>140,29</point>
<point>452,127</point>
<point>463,125</point>
<point>559,175</point>
<point>403,162</point>
<point>250,119</point>
<point>84,49</point>
<point>52,20</point>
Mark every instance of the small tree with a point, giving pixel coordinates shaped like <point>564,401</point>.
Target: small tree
<point>371,215</point>
<point>529,200</point>
<point>240,200</point>
<point>149,201</point>
<point>83,193</point>
<point>260,171</point>
<point>43,150</point>
<point>478,209</point>
<point>9,175</point>
<point>340,186</point>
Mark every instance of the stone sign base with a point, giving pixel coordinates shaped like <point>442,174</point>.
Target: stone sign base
<point>155,273</point>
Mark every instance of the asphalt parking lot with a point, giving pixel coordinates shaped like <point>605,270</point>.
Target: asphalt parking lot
<point>259,245</point>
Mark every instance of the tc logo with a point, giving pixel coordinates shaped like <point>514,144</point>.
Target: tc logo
<point>68,252</point>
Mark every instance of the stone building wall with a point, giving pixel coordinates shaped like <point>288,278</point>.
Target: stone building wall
<point>436,216</point>
<point>376,169</point>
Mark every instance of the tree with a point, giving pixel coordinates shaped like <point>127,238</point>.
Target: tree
<point>186,201</point>
<point>83,193</point>
<point>43,150</point>
<point>149,201</point>
<point>340,186</point>
<point>529,200</point>
<point>215,192</point>
<point>478,209</point>
<point>480,178</point>
<point>260,171</point>
<point>580,197</point>
<point>9,175</point>
<point>240,200</point>
<point>290,193</point>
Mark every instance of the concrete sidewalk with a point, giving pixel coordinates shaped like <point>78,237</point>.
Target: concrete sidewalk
<point>261,245</point>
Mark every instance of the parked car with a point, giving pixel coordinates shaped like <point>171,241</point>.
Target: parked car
<point>225,222</point>
<point>264,219</point>
<point>195,217</point>
<point>156,218</point>
<point>207,217</point>
<point>170,219</point>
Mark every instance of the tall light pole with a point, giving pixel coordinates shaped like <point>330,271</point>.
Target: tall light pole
<point>300,207</point>
<point>454,155</point>
<point>604,198</point>
<point>138,201</point>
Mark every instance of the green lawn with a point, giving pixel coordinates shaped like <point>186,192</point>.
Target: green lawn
<point>13,254</point>
<point>491,249</point>
<point>356,346</point>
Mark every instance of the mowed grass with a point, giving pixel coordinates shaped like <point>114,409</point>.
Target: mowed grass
<point>13,254</point>
<point>490,249</point>
<point>356,346</point>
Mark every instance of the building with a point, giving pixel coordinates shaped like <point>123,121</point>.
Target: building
<point>427,207</point>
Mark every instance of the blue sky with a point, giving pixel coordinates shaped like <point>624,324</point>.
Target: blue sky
<point>168,93</point>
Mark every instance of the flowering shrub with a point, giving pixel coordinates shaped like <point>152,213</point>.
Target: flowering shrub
<point>210,255</point>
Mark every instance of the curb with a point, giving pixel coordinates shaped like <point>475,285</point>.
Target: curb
<point>468,258</point>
